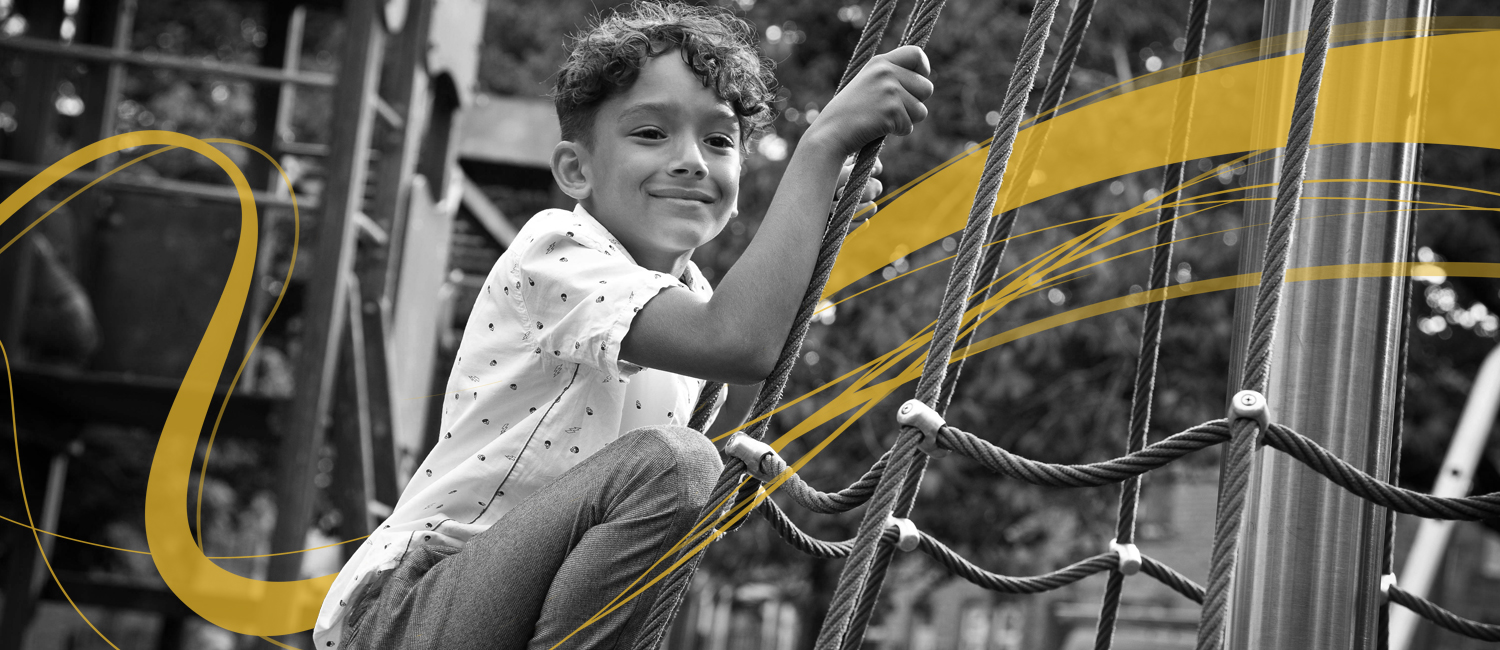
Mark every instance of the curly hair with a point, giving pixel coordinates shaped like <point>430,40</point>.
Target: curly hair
<point>719,48</point>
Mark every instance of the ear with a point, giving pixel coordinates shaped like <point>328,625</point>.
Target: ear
<point>569,170</point>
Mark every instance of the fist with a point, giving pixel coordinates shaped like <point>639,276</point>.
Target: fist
<point>884,98</point>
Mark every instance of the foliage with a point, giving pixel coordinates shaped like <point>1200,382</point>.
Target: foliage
<point>1063,395</point>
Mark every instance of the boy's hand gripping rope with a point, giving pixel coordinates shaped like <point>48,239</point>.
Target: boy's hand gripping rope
<point>860,582</point>
<point>1249,423</point>
<point>924,17</point>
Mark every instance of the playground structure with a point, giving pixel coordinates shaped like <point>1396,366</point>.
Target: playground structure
<point>386,230</point>
<point>1317,569</point>
<point>370,311</point>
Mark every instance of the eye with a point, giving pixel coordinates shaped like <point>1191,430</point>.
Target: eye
<point>650,133</point>
<point>721,141</point>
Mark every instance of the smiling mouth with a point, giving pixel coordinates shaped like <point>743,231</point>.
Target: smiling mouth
<point>683,195</point>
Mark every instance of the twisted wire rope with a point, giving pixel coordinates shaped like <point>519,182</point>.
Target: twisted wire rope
<point>842,607</point>
<point>1442,617</point>
<point>1236,478</point>
<point>860,572</point>
<point>999,231</point>
<point>1156,455</point>
<point>1388,564</point>
<point>843,500</point>
<point>674,586</point>
<point>871,592</point>
<point>1279,437</point>
<point>877,540</point>
<point>1154,321</point>
<point>962,567</point>
<point>1171,578</point>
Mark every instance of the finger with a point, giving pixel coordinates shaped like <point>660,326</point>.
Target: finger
<point>873,190</point>
<point>879,167</point>
<point>863,213</point>
<point>910,57</point>
<point>903,124</point>
<point>915,111</point>
<point>918,85</point>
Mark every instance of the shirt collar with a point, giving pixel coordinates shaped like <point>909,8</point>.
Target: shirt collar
<point>690,275</point>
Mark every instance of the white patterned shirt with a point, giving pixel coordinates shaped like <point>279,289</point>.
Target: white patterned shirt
<point>538,386</point>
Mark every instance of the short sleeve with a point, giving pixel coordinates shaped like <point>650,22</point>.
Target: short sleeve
<point>579,294</point>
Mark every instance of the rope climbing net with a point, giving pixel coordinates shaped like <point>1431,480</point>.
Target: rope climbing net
<point>889,488</point>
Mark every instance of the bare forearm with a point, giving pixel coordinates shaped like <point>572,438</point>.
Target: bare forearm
<point>735,336</point>
<point>759,296</point>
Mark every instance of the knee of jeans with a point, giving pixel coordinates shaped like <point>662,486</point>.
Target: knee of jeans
<point>694,455</point>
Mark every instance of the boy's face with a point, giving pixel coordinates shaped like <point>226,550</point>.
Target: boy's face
<point>663,172</point>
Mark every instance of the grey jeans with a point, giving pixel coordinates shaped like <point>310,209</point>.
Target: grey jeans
<point>554,561</point>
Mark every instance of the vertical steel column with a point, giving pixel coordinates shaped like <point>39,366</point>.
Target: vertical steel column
<point>326,310</point>
<point>1310,553</point>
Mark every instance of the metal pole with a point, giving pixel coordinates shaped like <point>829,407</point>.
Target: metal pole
<point>1310,553</point>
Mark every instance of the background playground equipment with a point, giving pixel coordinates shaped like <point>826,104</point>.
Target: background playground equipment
<point>484,231</point>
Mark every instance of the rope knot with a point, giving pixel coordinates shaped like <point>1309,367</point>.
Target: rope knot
<point>916,413</point>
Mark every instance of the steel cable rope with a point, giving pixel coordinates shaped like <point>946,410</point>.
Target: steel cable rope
<point>999,231</point>
<point>1155,316</point>
<point>895,352</point>
<point>914,476</point>
<point>1279,437</point>
<point>1388,563</point>
<point>669,600</point>
<point>818,501</point>
<point>862,572</point>
<point>856,493</point>
<point>1204,435</point>
<point>1432,612</point>
<point>1235,481</point>
<point>961,566</point>
<point>958,564</point>
<point>1000,242</point>
<point>1229,57</point>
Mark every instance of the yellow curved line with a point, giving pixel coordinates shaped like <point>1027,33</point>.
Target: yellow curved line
<point>277,643</point>
<point>10,394</point>
<point>211,557</point>
<point>1134,130</point>
<point>228,600</point>
<point>1458,99</point>
<point>285,282</point>
<point>937,214</point>
<point>75,194</point>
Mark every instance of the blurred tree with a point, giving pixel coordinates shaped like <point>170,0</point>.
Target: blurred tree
<point>1063,395</point>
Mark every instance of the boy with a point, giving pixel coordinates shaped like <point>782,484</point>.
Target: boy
<point>596,323</point>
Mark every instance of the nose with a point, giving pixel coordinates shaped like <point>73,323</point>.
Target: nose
<point>687,160</point>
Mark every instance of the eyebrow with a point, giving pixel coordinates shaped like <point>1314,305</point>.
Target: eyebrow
<point>721,113</point>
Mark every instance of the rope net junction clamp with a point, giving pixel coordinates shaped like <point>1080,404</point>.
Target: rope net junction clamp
<point>915,413</point>
<point>1130,557</point>
<point>909,537</point>
<point>1251,405</point>
<point>1387,582</point>
<point>760,459</point>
